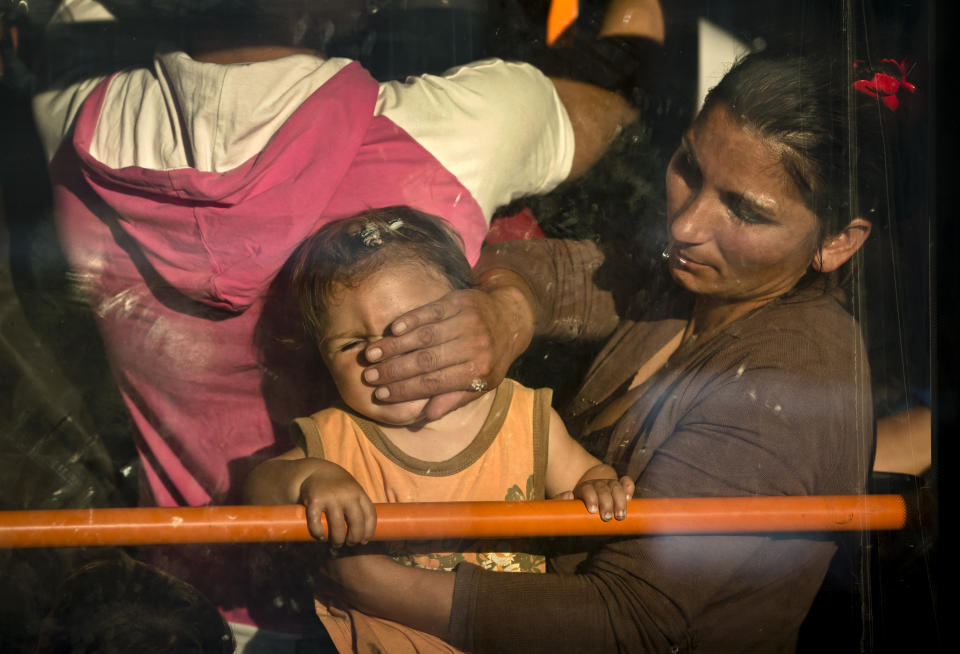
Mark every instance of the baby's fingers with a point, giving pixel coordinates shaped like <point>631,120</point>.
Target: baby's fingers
<point>336,526</point>
<point>370,520</point>
<point>315,520</point>
<point>610,500</point>
<point>361,521</point>
<point>621,492</point>
<point>587,493</point>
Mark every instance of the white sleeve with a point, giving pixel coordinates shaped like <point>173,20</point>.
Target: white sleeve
<point>55,106</point>
<point>499,127</point>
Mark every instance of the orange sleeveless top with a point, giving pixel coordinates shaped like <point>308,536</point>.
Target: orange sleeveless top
<point>507,460</point>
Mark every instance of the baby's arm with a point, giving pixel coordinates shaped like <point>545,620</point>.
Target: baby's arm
<point>569,466</point>
<point>322,487</point>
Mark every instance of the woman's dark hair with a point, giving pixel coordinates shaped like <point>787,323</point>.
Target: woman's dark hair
<point>122,606</point>
<point>346,252</point>
<point>836,138</point>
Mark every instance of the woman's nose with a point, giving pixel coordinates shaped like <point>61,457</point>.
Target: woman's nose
<point>693,222</point>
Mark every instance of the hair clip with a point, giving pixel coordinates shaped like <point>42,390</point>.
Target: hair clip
<point>884,86</point>
<point>370,235</point>
<point>395,224</point>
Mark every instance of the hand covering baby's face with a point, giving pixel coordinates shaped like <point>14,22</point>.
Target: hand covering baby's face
<point>360,315</point>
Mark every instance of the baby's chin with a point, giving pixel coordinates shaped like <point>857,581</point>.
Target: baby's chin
<point>400,414</point>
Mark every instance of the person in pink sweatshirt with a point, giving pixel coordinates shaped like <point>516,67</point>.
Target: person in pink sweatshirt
<point>181,189</point>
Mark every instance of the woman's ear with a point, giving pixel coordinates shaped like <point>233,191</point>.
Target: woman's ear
<point>838,249</point>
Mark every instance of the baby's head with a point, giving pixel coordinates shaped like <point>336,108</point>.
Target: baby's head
<point>354,276</point>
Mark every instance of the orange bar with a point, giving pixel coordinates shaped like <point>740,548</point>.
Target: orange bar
<point>562,15</point>
<point>422,521</point>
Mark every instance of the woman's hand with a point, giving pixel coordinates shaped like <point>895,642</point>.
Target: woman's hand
<point>455,348</point>
<point>331,490</point>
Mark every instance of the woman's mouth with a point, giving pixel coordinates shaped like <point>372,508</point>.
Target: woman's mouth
<point>680,259</point>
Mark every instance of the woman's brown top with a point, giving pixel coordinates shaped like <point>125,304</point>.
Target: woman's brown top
<point>777,403</point>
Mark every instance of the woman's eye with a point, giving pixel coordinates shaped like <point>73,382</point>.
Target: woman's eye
<point>745,214</point>
<point>687,169</point>
<point>750,218</point>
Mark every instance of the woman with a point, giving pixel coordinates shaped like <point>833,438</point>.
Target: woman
<point>753,383</point>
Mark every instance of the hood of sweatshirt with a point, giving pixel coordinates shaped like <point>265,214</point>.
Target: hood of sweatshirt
<point>218,172</point>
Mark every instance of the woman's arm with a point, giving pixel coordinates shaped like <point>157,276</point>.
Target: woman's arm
<point>377,585</point>
<point>559,612</point>
<point>559,279</point>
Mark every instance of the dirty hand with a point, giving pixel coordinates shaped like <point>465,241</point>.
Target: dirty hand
<point>608,497</point>
<point>332,491</point>
<point>450,350</point>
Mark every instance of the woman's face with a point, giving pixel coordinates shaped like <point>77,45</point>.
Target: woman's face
<point>738,229</point>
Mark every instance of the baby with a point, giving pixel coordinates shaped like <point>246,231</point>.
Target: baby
<point>353,278</point>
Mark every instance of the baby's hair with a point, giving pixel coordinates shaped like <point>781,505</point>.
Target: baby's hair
<point>346,252</point>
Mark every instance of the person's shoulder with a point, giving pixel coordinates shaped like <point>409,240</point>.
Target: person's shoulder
<point>514,385</point>
<point>802,314</point>
<point>812,330</point>
<point>820,316</point>
<point>484,73</point>
<point>512,396</point>
<point>515,388</point>
<point>498,74</point>
<point>817,300</point>
<point>498,126</point>
<point>330,420</point>
<point>483,89</point>
<point>327,419</point>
